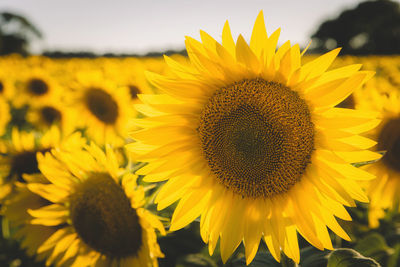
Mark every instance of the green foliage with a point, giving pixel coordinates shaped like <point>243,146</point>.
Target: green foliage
<point>373,27</point>
<point>345,257</point>
<point>16,32</point>
<point>374,246</point>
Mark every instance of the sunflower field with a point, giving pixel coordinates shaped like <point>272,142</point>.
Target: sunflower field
<point>242,153</point>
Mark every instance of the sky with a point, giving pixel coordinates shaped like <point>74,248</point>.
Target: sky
<point>141,26</point>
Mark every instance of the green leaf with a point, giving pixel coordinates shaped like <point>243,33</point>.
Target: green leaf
<point>196,260</point>
<point>394,259</point>
<point>312,257</point>
<point>261,259</point>
<point>345,257</point>
<point>374,246</point>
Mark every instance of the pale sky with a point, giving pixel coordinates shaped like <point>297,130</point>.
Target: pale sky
<point>140,26</point>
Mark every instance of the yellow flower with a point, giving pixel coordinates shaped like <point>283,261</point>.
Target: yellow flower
<point>15,210</point>
<point>98,211</point>
<point>384,192</point>
<point>129,72</point>
<point>5,115</point>
<point>7,89</point>
<point>249,140</point>
<point>19,155</point>
<point>44,114</point>
<point>34,86</point>
<point>104,108</point>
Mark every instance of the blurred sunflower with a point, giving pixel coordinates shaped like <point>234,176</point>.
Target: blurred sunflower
<point>4,115</point>
<point>384,192</point>
<point>43,115</point>
<point>15,212</point>
<point>249,139</point>
<point>34,86</point>
<point>104,108</point>
<point>19,155</point>
<point>7,89</point>
<point>129,73</point>
<point>98,211</point>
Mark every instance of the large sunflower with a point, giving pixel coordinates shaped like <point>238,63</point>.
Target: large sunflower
<point>98,211</point>
<point>384,191</point>
<point>249,139</point>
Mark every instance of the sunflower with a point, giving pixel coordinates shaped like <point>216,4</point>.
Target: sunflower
<point>104,107</point>
<point>7,89</point>
<point>249,139</point>
<point>35,85</point>
<point>19,155</point>
<point>129,72</point>
<point>384,192</point>
<point>43,115</point>
<point>5,115</point>
<point>15,211</point>
<point>98,211</point>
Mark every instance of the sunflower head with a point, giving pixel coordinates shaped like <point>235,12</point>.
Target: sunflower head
<point>97,208</point>
<point>20,155</point>
<point>254,143</point>
<point>104,107</point>
<point>384,191</point>
<point>249,139</point>
<point>15,210</point>
<point>36,86</point>
<point>118,233</point>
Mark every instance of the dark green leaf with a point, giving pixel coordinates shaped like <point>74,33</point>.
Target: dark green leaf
<point>345,257</point>
<point>374,246</point>
<point>261,259</point>
<point>394,259</point>
<point>312,257</point>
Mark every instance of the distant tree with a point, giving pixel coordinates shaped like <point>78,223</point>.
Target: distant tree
<point>373,27</point>
<point>15,33</point>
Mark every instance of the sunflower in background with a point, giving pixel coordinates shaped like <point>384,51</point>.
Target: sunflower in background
<point>44,114</point>
<point>249,140</point>
<point>103,107</point>
<point>34,86</point>
<point>19,155</point>
<point>5,115</point>
<point>384,191</point>
<point>97,209</point>
<point>7,89</point>
<point>17,218</point>
<point>129,72</point>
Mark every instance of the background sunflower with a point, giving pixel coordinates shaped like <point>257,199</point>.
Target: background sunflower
<point>97,210</point>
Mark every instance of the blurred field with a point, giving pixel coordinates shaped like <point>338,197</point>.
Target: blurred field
<point>65,78</point>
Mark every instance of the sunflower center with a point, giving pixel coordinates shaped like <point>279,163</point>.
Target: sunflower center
<point>25,162</point>
<point>389,140</point>
<point>37,87</point>
<point>1,87</point>
<point>257,137</point>
<point>102,216</point>
<point>101,105</point>
<point>134,91</point>
<point>50,115</point>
